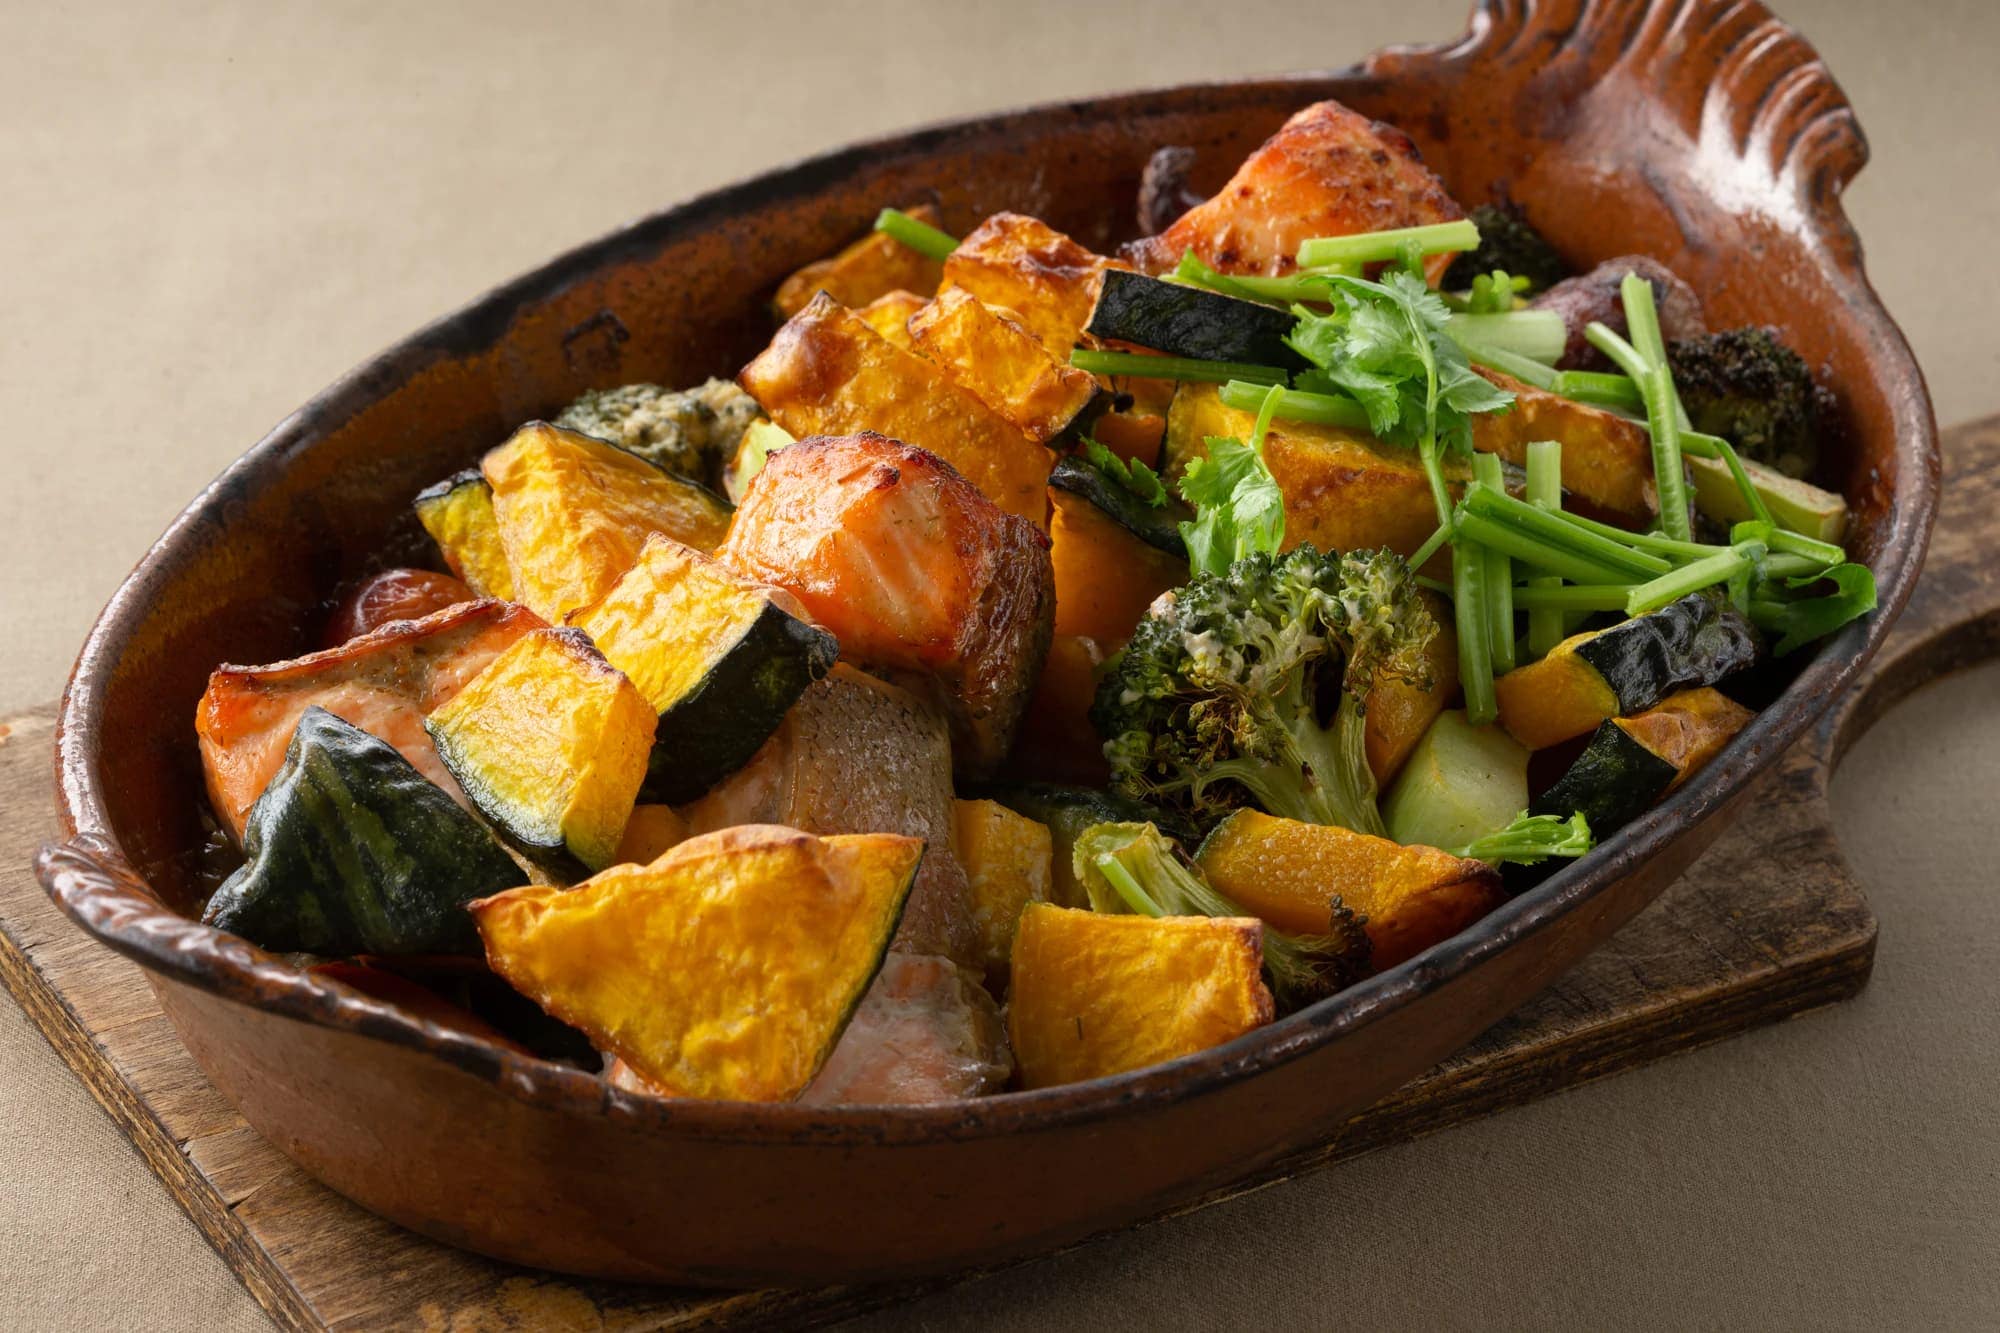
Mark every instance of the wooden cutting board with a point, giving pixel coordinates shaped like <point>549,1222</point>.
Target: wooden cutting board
<point>1765,926</point>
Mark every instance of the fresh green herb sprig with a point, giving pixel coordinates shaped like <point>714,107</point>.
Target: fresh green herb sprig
<point>1141,365</point>
<point>1132,475</point>
<point>1239,508</point>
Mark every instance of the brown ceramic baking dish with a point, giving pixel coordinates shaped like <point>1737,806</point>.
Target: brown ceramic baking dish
<point>1703,132</point>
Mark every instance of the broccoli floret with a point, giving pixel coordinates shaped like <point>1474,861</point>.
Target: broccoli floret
<point>1748,387</point>
<point>1218,698</point>
<point>692,432</point>
<point>1506,241</point>
<point>1134,868</point>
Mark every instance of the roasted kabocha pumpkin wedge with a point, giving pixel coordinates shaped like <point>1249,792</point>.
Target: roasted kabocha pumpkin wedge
<point>1056,742</point>
<point>828,373</point>
<point>1288,873</point>
<point>1328,171</point>
<point>725,969</point>
<point>871,267</point>
<point>550,743</point>
<point>719,658</point>
<point>991,353</point>
<point>383,682</point>
<point>1094,995</point>
<point>1400,711</point>
<point>352,851</point>
<point>1112,553</point>
<point>573,512</point>
<point>889,315</point>
<point>458,514</point>
<point>1068,812</point>
<point>1625,669</point>
<point>1631,762</point>
<point>913,570</point>
<point>650,830</point>
<point>1007,859</point>
<point>1183,320</point>
<point>1344,490</point>
<point>1607,461</point>
<point>1023,265</point>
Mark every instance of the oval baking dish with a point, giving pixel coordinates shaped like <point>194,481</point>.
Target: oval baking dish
<point>1702,132</point>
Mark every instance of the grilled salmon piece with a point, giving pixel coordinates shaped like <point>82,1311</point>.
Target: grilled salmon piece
<point>1328,172</point>
<point>383,682</point>
<point>859,755</point>
<point>918,575</point>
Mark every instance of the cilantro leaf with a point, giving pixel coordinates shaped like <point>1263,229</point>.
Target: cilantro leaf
<point>1239,509</point>
<point>1132,475</point>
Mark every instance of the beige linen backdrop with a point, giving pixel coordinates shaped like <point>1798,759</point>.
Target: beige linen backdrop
<point>208,211</point>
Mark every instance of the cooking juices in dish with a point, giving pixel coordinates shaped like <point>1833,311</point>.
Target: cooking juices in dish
<point>1040,664</point>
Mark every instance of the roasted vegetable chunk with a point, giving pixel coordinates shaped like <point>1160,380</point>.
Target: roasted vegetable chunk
<point>1625,669</point>
<point>1288,874</point>
<point>1056,742</point>
<point>392,594</point>
<point>550,742</point>
<point>1344,490</point>
<point>725,969</point>
<point>915,572</point>
<point>354,851</point>
<point>871,267</point>
<point>828,373</point>
<point>1400,711</point>
<point>1007,859</point>
<point>1043,278</point>
<point>651,830</point>
<point>718,658</point>
<point>458,514</point>
<point>889,315</point>
<point>383,682</point>
<point>997,358</point>
<point>689,432</point>
<point>1631,762</point>
<point>1327,172</point>
<point>1096,995</point>
<point>1607,461</point>
<point>573,512</point>
<point>859,755</point>
<point>1106,576</point>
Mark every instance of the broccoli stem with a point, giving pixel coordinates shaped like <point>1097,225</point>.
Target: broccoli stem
<point>1538,335</point>
<point>1545,624</point>
<point>1468,599</point>
<point>1320,409</point>
<point>919,236</point>
<point>1499,577</point>
<point>1375,247</point>
<point>1118,877</point>
<point>1172,367</point>
<point>1531,839</point>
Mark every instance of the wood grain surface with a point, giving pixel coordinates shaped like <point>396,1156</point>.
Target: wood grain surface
<point>1762,928</point>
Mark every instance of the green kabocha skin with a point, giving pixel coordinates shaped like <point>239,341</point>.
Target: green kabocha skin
<point>1159,526</point>
<point>742,695</point>
<point>1697,640</point>
<point>351,850</point>
<point>1613,782</point>
<point>1191,321</point>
